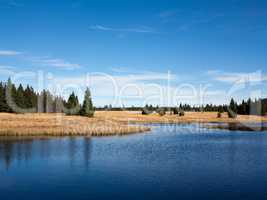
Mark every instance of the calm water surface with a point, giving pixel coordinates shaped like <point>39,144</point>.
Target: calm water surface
<point>169,163</point>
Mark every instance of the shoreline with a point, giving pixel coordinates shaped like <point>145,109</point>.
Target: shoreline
<point>107,123</point>
<point>22,125</point>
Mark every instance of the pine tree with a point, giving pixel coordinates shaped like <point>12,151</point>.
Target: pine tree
<point>10,96</point>
<point>3,104</point>
<point>220,109</point>
<point>232,110</point>
<point>30,99</point>
<point>58,105</point>
<point>248,107</point>
<point>87,107</point>
<point>19,99</point>
<point>49,102</point>
<point>73,106</point>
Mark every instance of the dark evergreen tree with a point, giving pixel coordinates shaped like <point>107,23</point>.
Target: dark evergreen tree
<point>87,107</point>
<point>73,106</point>
<point>3,104</point>
<point>19,99</point>
<point>30,99</point>
<point>220,109</point>
<point>10,96</point>
<point>58,105</point>
<point>232,110</point>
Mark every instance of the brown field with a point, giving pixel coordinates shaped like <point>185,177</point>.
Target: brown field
<point>205,117</point>
<point>61,125</point>
<point>105,123</point>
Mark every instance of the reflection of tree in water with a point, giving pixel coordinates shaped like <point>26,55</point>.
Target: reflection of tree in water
<point>21,149</point>
<point>79,148</point>
<point>72,150</point>
<point>87,150</point>
<point>6,151</point>
<point>15,149</point>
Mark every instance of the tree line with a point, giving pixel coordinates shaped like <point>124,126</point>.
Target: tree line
<point>246,107</point>
<point>249,107</point>
<point>25,100</point>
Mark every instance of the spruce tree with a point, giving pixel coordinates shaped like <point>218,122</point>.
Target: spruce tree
<point>232,110</point>
<point>73,106</point>
<point>30,99</point>
<point>10,96</point>
<point>3,104</point>
<point>87,107</point>
<point>19,99</point>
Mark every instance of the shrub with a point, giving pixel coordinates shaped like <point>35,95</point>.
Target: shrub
<point>161,111</point>
<point>181,113</point>
<point>175,111</point>
<point>146,111</point>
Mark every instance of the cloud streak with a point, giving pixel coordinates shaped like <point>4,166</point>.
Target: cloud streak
<point>60,63</point>
<point>9,53</point>
<point>226,77</point>
<point>53,62</point>
<point>6,67</point>
<point>136,89</point>
<point>142,29</point>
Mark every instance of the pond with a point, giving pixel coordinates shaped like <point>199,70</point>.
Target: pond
<point>171,162</point>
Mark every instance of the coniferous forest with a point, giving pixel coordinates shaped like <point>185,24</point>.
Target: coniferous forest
<point>25,100</point>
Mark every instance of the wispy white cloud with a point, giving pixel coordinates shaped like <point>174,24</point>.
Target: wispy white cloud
<point>6,67</point>
<point>6,71</point>
<point>138,89</point>
<point>142,29</point>
<point>116,88</point>
<point>121,80</point>
<point>60,63</point>
<point>120,69</point>
<point>54,62</point>
<point>238,77</point>
<point>9,53</point>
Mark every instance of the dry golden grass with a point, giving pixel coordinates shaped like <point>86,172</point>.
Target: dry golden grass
<point>61,125</point>
<point>105,123</point>
<point>136,117</point>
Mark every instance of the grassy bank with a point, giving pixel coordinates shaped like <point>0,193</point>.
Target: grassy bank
<point>205,117</point>
<point>105,123</point>
<point>61,125</point>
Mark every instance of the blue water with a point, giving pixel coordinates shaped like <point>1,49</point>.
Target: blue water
<point>173,162</point>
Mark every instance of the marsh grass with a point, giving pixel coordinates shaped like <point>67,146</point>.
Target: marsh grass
<point>188,117</point>
<point>104,123</point>
<point>61,125</point>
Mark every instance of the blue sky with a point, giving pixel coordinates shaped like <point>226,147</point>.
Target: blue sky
<point>216,45</point>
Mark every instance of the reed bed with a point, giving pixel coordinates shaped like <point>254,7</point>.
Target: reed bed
<point>105,123</point>
<point>189,117</point>
<point>61,125</point>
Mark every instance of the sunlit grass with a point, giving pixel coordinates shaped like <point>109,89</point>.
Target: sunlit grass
<point>105,123</point>
<point>61,125</point>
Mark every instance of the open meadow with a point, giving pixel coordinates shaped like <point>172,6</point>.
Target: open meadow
<point>62,125</point>
<point>105,123</point>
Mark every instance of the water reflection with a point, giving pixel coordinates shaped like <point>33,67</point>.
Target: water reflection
<point>87,152</point>
<point>177,164</point>
<point>16,150</point>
